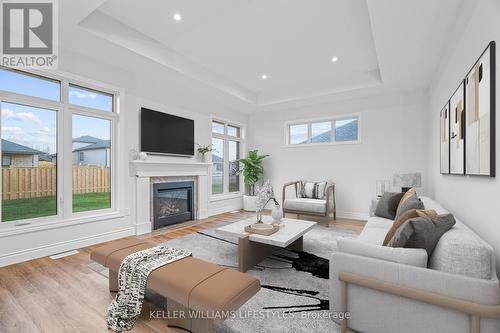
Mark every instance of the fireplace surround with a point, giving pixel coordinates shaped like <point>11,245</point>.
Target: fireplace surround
<point>146,173</point>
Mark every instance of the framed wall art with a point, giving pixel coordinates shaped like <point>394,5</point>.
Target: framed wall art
<point>480,116</point>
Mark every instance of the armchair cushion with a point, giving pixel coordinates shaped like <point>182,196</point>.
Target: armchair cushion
<point>316,206</point>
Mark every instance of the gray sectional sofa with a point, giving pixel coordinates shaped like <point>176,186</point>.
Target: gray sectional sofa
<point>401,290</point>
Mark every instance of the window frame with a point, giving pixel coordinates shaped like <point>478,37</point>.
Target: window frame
<point>242,150</point>
<point>65,111</point>
<point>311,121</point>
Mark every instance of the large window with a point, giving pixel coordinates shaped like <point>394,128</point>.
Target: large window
<point>226,142</point>
<point>57,147</point>
<point>329,131</point>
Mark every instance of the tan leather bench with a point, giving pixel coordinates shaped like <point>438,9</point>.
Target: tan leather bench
<point>188,284</point>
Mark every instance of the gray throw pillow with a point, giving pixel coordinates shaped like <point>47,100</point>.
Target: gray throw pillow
<point>388,205</point>
<point>412,203</point>
<point>422,232</point>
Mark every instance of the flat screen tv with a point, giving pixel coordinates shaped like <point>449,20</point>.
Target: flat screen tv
<point>163,133</point>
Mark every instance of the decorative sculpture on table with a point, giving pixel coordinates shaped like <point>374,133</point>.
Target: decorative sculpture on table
<point>265,193</point>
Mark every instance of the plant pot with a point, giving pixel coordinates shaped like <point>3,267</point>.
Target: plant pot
<point>250,203</point>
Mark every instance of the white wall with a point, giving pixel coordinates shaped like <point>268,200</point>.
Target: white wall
<point>393,138</point>
<point>474,200</point>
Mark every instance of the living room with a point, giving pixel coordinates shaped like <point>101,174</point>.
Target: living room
<point>249,166</point>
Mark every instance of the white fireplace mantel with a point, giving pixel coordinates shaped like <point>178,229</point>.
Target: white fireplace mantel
<point>144,170</point>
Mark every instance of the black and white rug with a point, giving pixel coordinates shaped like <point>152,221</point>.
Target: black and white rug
<point>294,294</point>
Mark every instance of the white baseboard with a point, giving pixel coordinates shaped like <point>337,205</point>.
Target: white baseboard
<point>225,205</point>
<point>43,251</point>
<point>143,228</point>
<point>353,215</point>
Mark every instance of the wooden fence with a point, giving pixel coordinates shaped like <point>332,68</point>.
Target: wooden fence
<point>22,183</point>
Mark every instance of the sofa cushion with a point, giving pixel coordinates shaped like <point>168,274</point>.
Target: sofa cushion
<point>305,205</point>
<point>403,218</point>
<point>460,251</point>
<point>414,257</point>
<point>373,235</point>
<point>388,205</point>
<point>422,232</point>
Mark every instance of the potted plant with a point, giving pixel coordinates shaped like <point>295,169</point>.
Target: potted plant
<point>252,171</point>
<point>203,149</point>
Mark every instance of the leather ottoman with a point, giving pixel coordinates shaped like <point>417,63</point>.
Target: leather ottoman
<point>189,284</point>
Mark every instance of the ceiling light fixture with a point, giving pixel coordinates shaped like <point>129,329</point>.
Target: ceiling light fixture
<point>177,17</point>
<point>263,76</point>
<point>335,59</point>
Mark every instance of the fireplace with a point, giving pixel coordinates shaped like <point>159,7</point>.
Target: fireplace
<point>172,203</point>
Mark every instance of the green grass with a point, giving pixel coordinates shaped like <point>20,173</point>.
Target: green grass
<point>20,209</point>
<point>217,188</point>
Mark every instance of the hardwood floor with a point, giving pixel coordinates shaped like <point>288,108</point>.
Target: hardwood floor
<point>65,295</point>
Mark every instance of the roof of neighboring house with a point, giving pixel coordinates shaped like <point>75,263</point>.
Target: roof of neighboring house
<point>216,158</point>
<point>87,139</point>
<point>9,147</point>
<point>101,144</point>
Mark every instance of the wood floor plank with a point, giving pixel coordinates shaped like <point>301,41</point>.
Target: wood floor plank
<point>65,295</point>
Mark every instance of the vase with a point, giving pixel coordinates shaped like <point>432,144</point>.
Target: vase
<point>277,214</point>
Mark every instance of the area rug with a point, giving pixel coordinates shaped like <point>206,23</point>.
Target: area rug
<point>294,294</point>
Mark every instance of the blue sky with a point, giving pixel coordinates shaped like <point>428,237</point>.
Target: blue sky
<point>36,127</point>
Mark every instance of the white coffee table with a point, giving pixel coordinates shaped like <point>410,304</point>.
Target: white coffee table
<point>253,248</point>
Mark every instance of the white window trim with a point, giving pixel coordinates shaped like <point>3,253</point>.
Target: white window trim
<point>226,138</point>
<point>310,121</point>
<point>65,212</point>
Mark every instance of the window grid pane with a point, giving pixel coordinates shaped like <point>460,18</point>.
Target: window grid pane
<point>233,131</point>
<point>346,130</point>
<point>299,134</point>
<point>321,132</point>
<point>30,85</point>
<point>91,163</point>
<point>234,155</point>
<point>90,98</point>
<point>29,163</point>
<point>218,166</point>
<point>217,128</point>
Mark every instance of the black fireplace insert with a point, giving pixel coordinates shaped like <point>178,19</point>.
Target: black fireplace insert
<point>172,203</point>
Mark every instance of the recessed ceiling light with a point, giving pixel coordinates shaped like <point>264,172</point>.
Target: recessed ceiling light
<point>177,17</point>
<point>335,59</point>
<point>263,76</point>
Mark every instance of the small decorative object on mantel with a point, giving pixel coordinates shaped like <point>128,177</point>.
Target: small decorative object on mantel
<point>203,150</point>
<point>407,180</point>
<point>135,155</point>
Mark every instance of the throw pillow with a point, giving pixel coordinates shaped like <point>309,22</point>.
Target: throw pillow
<point>319,190</point>
<point>412,213</point>
<point>422,232</point>
<point>312,190</point>
<point>306,189</point>
<point>388,205</point>
<point>412,202</point>
<point>408,194</point>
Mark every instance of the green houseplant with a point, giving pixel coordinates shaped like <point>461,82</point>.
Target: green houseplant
<point>252,170</point>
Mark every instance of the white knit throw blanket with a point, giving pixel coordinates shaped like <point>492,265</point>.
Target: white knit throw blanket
<point>132,279</point>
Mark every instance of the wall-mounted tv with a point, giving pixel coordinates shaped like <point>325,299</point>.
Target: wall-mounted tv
<point>163,133</point>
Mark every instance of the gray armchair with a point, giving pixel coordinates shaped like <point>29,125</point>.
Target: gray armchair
<point>305,206</point>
